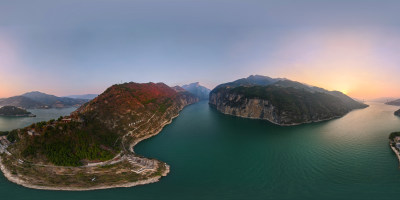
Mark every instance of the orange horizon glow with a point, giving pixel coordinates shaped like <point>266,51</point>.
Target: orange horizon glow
<point>333,60</point>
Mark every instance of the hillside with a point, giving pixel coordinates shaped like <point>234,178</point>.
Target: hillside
<point>280,101</point>
<point>397,113</point>
<point>100,136</point>
<point>198,90</point>
<point>394,102</point>
<point>41,100</point>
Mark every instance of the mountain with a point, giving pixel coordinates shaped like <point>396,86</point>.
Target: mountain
<point>397,113</point>
<point>135,102</point>
<point>20,101</point>
<point>252,80</point>
<point>41,100</point>
<point>280,101</point>
<point>83,96</point>
<point>394,102</point>
<point>198,90</point>
<point>99,135</point>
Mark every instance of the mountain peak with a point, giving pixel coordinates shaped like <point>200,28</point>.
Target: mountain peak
<point>197,89</point>
<point>34,93</point>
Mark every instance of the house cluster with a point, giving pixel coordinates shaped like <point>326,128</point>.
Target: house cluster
<point>66,120</point>
<point>4,143</point>
<point>144,163</point>
<point>397,141</point>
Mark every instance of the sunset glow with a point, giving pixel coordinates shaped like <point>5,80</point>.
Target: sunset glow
<point>354,52</point>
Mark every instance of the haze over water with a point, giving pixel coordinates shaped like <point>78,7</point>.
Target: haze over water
<point>216,156</point>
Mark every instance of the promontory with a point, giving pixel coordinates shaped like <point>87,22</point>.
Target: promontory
<point>280,101</point>
<point>93,147</point>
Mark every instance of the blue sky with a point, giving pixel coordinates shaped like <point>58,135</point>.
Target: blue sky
<point>76,47</point>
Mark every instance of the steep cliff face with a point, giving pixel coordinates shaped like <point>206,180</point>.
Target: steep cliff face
<point>238,105</point>
<point>281,102</point>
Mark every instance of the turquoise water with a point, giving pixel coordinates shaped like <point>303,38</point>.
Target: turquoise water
<point>214,156</point>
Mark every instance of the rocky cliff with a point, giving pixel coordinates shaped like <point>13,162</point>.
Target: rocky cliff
<point>280,101</point>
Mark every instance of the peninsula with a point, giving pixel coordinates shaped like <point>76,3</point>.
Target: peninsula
<point>280,101</point>
<point>93,147</point>
<point>12,111</point>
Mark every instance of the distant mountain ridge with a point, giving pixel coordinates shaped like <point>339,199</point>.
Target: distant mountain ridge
<point>394,103</point>
<point>198,90</point>
<point>280,101</point>
<point>41,100</point>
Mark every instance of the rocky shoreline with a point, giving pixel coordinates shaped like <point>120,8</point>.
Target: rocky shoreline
<point>135,142</point>
<point>395,152</point>
<point>284,125</point>
<point>25,115</point>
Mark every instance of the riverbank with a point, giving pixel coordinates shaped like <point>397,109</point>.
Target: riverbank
<point>135,142</point>
<point>291,124</point>
<point>395,151</point>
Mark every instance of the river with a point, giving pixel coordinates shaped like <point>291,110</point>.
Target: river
<point>215,156</point>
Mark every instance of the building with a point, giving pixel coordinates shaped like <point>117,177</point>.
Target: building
<point>32,132</point>
<point>66,120</point>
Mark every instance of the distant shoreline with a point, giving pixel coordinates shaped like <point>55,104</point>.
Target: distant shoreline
<point>25,115</point>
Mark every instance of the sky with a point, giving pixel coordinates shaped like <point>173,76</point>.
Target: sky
<point>84,46</point>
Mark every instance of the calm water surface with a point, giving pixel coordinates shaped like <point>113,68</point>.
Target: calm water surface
<point>214,156</point>
<point>10,123</point>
